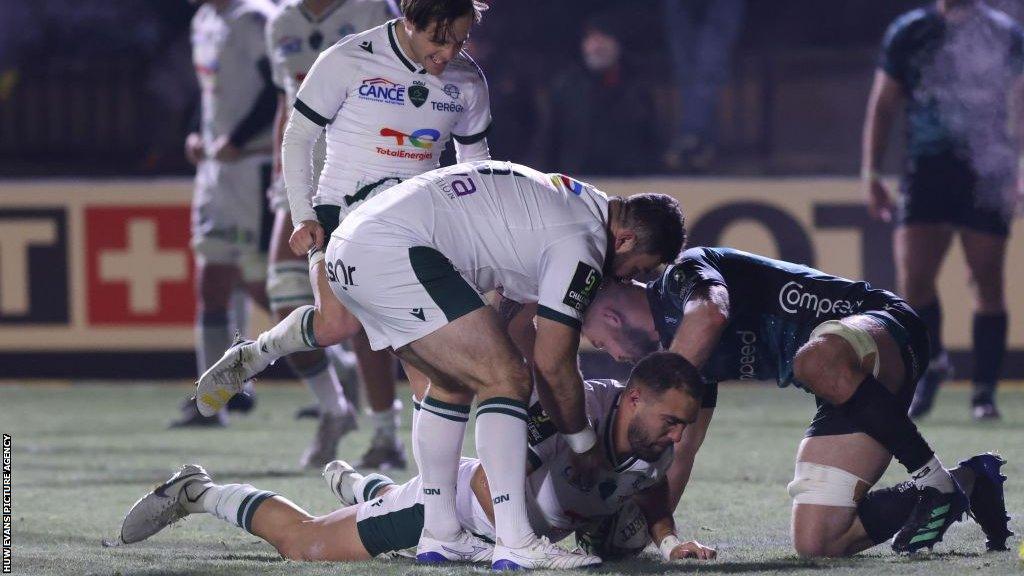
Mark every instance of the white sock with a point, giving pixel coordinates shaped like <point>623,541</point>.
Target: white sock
<point>234,503</point>
<point>323,382</point>
<point>934,475</point>
<point>439,437</point>
<point>367,487</point>
<point>212,338</point>
<point>387,422</point>
<point>501,445</point>
<point>293,334</point>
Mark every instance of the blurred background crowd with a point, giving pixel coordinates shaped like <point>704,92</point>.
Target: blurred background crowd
<point>600,87</point>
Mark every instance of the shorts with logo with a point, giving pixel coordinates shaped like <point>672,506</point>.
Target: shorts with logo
<point>230,220</point>
<point>911,335</point>
<point>393,522</point>
<point>399,293</point>
<point>946,189</point>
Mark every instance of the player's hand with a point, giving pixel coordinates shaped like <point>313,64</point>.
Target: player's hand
<point>879,200</point>
<point>225,151</point>
<point>587,467</point>
<point>693,549</point>
<point>308,234</point>
<point>194,148</point>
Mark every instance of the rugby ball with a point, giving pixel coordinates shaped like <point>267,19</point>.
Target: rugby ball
<point>621,535</point>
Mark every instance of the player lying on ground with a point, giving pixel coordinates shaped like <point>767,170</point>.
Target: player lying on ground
<point>412,263</point>
<point>858,350</point>
<point>638,424</point>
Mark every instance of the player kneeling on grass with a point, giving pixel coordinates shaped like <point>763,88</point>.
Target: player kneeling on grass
<point>859,350</point>
<point>638,424</point>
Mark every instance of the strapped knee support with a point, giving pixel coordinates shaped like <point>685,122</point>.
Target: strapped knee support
<point>861,341</point>
<point>825,486</point>
<point>288,285</point>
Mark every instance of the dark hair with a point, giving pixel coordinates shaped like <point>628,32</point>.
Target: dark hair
<point>661,371</point>
<point>421,13</point>
<point>659,224</point>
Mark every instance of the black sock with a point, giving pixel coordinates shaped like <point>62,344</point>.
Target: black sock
<point>931,315</point>
<point>989,332</point>
<point>880,415</point>
<point>883,512</point>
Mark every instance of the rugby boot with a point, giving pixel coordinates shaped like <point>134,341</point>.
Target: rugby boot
<point>933,514</point>
<point>983,402</point>
<point>384,453</point>
<point>988,507</point>
<point>228,375</point>
<point>191,418</point>
<point>329,431</point>
<point>939,370</point>
<point>465,547</point>
<point>540,553</point>
<point>165,505</point>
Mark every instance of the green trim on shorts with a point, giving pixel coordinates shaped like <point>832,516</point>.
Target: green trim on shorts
<point>446,287</point>
<point>545,312</point>
<point>392,531</point>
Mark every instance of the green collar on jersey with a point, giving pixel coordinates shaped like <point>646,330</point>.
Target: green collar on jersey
<point>393,38</point>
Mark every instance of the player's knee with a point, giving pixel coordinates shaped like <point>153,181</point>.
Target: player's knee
<point>828,367</point>
<point>813,546</point>
<point>513,377</point>
<point>296,545</point>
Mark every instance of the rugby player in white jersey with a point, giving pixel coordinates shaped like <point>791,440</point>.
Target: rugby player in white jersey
<point>638,425</point>
<point>296,35</point>
<point>232,153</point>
<point>412,264</point>
<point>390,98</point>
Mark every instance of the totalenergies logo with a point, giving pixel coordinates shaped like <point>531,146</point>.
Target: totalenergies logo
<point>422,138</point>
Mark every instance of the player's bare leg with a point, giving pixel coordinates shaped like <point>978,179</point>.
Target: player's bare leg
<point>377,368</point>
<point>863,385</point>
<point>288,287</point>
<point>920,250</point>
<point>986,257</point>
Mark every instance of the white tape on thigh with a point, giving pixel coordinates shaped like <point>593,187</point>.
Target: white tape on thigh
<point>862,341</point>
<point>823,485</point>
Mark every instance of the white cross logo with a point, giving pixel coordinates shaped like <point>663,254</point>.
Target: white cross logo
<point>143,266</point>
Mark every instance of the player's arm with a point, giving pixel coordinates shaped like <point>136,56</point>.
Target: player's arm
<point>260,115</point>
<point>319,98</point>
<point>705,316</point>
<point>884,103</point>
<point>470,131</point>
<point>517,319</point>
<point>560,384</point>
<point>654,504</point>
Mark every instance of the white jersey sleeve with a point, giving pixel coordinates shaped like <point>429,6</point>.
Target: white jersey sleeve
<point>570,274</point>
<point>475,121</point>
<point>325,87</point>
<point>278,61</point>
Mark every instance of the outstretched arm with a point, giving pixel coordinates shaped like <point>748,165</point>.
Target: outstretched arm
<point>654,503</point>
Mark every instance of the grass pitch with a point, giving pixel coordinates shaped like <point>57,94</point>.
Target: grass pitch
<point>84,453</point>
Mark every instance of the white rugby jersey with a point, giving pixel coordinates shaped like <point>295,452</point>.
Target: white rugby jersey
<point>556,506</point>
<point>537,237</point>
<point>386,118</point>
<point>227,48</point>
<point>295,37</point>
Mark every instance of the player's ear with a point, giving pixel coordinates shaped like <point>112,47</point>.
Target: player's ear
<point>625,241</point>
<point>612,317</point>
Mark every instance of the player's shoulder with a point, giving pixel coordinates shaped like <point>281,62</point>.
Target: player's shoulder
<point>909,22</point>
<point>252,11</point>
<point>360,44</point>
<point>1001,20</point>
<point>464,69</point>
<point>601,395</point>
<point>287,13</point>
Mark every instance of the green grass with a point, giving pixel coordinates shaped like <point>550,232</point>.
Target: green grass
<point>84,453</point>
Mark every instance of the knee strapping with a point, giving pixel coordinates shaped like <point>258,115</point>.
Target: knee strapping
<point>863,343</point>
<point>288,285</point>
<point>825,486</point>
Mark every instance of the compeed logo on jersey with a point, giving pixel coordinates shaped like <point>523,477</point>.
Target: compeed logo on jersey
<point>582,288</point>
<point>382,90</point>
<point>422,138</point>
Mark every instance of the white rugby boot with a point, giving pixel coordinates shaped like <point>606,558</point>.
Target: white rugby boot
<point>240,362</point>
<point>464,548</point>
<point>324,447</point>
<point>165,505</point>
<point>351,487</point>
<point>540,553</point>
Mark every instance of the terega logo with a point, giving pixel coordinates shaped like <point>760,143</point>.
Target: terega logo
<point>382,90</point>
<point>139,265</point>
<point>794,297</point>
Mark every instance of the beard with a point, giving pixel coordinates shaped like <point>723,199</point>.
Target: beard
<point>639,342</point>
<point>641,444</point>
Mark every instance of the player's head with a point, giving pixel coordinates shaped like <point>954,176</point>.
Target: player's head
<point>662,397</point>
<point>619,321</point>
<point>648,231</point>
<point>438,29</point>
<point>600,45</point>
